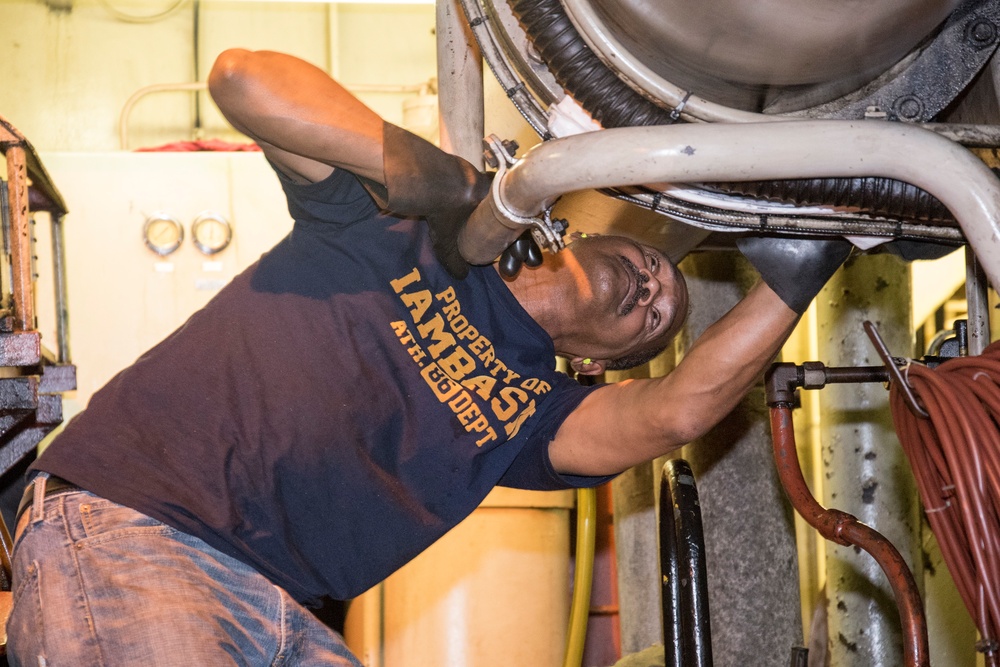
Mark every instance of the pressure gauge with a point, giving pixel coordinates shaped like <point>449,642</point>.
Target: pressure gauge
<point>162,233</point>
<point>211,232</point>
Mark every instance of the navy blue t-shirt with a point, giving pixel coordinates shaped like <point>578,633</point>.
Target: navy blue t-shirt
<point>335,409</point>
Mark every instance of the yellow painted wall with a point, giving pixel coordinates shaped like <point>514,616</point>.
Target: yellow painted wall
<point>68,73</point>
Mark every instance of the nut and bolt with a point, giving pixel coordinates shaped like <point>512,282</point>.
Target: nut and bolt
<point>908,107</point>
<point>981,32</point>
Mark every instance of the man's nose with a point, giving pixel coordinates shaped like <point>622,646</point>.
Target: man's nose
<point>652,285</point>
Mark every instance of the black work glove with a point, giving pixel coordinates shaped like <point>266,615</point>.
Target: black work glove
<point>795,268</point>
<point>523,251</point>
<point>423,180</point>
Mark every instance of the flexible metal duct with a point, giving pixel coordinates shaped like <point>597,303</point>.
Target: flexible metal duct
<point>608,99</point>
<point>882,196</point>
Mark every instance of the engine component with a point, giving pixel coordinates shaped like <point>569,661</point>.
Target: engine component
<point>700,152</point>
<point>916,88</point>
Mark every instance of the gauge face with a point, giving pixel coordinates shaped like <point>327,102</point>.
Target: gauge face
<point>162,233</point>
<point>211,233</point>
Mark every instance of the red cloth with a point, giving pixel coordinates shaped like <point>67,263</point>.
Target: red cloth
<point>200,145</point>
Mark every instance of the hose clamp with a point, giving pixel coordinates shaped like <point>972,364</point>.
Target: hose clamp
<point>547,231</point>
<point>675,113</point>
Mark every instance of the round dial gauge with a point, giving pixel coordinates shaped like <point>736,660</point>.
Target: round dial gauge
<point>162,233</point>
<point>211,232</point>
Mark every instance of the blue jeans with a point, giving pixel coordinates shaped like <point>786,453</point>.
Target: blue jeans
<point>96,583</point>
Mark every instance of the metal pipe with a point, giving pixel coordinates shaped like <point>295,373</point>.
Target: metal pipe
<point>739,152</point>
<point>977,297</point>
<point>142,92</point>
<point>846,530</point>
<point>970,135</point>
<point>62,301</point>
<point>460,85</point>
<point>686,619</point>
<point>782,379</point>
<point>861,468</point>
<point>198,86</point>
<point>916,650</point>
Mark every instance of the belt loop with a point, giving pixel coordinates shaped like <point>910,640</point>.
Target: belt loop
<point>38,504</point>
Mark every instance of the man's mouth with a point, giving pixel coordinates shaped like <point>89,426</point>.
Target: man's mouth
<point>634,291</point>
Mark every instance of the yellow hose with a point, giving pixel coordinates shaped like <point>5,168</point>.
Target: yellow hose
<point>579,613</point>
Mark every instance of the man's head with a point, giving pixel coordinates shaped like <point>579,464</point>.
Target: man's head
<point>608,302</point>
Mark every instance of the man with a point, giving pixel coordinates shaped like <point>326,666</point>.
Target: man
<point>345,401</point>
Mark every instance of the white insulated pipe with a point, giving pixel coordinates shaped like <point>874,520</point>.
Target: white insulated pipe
<point>694,153</point>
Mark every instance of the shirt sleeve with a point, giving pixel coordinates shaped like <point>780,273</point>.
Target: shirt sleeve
<point>532,468</point>
<point>339,200</point>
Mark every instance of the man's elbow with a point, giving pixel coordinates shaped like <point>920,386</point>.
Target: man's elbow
<point>228,77</point>
<point>677,427</point>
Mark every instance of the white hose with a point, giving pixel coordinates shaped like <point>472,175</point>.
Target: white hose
<point>743,152</point>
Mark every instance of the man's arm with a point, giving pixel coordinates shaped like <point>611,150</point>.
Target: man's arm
<point>630,422</point>
<point>305,122</point>
<point>634,421</point>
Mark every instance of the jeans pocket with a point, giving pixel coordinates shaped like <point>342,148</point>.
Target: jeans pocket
<point>25,630</point>
<point>103,520</point>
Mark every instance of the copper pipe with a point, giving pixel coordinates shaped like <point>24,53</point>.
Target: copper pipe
<point>846,530</point>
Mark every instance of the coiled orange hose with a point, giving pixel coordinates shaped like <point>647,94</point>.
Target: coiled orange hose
<point>955,457</point>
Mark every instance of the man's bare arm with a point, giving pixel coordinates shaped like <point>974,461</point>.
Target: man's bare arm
<point>630,422</point>
<point>308,124</point>
<point>305,122</point>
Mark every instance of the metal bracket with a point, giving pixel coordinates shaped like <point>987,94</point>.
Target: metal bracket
<point>894,372</point>
<point>547,231</point>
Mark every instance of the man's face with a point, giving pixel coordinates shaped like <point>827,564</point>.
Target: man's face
<point>629,296</point>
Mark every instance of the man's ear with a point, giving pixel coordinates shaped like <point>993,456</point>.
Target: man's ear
<point>588,366</point>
